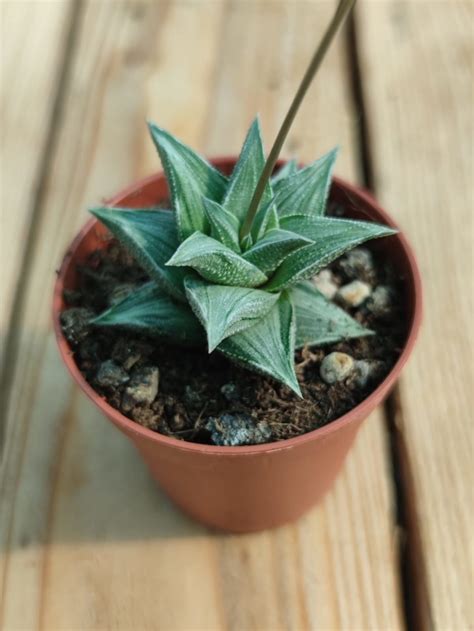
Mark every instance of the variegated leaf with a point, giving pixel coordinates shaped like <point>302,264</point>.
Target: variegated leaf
<point>190,178</point>
<point>265,220</point>
<point>319,321</point>
<point>216,262</point>
<point>151,237</point>
<point>269,345</point>
<point>150,311</point>
<point>288,169</point>
<point>246,174</point>
<point>273,248</point>
<point>246,243</point>
<point>332,237</point>
<point>224,225</point>
<point>307,190</point>
<point>224,311</point>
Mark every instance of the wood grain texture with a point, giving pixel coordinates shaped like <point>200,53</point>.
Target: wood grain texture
<point>89,541</point>
<point>420,116</point>
<point>29,31</point>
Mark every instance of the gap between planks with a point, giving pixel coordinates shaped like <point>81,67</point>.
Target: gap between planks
<point>412,571</point>
<point>10,352</point>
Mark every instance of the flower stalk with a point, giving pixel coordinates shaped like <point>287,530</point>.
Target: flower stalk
<point>342,10</point>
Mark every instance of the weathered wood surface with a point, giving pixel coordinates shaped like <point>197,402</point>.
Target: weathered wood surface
<point>33,47</point>
<point>419,109</point>
<point>88,541</point>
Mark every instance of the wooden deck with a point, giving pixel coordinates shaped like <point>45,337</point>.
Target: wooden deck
<point>88,541</point>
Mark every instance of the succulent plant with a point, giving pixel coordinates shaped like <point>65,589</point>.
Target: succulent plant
<point>231,261</point>
<point>246,292</point>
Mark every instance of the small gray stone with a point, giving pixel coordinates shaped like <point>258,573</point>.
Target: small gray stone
<point>324,282</point>
<point>76,323</point>
<point>237,429</point>
<point>365,370</point>
<point>354,294</point>
<point>231,391</point>
<point>357,262</point>
<point>380,301</point>
<point>111,375</point>
<point>336,367</point>
<point>143,387</point>
<point>192,397</point>
<point>178,422</point>
<point>129,352</point>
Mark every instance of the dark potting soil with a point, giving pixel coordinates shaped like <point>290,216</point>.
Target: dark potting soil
<point>203,398</point>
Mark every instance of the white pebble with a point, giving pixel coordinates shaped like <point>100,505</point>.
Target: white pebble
<point>325,284</point>
<point>380,300</point>
<point>353,294</point>
<point>365,370</point>
<point>336,367</point>
<point>360,256</point>
<point>356,261</point>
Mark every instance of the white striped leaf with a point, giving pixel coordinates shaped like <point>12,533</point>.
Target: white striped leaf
<point>289,168</point>
<point>319,321</point>
<point>245,176</point>
<point>151,238</point>
<point>306,191</point>
<point>268,346</point>
<point>190,178</point>
<point>148,310</point>
<point>332,237</point>
<point>224,225</point>
<point>216,262</point>
<point>273,248</point>
<point>224,311</point>
<point>266,219</point>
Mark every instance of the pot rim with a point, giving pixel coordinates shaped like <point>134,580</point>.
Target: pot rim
<point>130,426</point>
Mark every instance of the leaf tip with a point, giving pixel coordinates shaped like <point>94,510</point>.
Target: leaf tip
<point>97,211</point>
<point>295,386</point>
<point>213,342</point>
<point>104,214</point>
<point>99,320</point>
<point>171,262</point>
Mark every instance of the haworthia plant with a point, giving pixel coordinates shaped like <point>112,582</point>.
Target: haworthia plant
<point>248,297</point>
<point>231,262</point>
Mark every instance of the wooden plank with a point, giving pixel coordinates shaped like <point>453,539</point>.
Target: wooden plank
<point>28,30</point>
<point>419,106</point>
<point>90,542</point>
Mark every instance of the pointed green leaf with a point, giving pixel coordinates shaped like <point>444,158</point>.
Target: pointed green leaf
<point>216,262</point>
<point>273,248</point>
<point>150,311</point>
<point>288,169</point>
<point>266,219</point>
<point>332,237</point>
<point>151,237</point>
<point>190,178</point>
<point>224,311</point>
<point>319,321</point>
<point>224,225</point>
<point>268,346</point>
<point>246,174</point>
<point>307,190</point>
<point>246,243</point>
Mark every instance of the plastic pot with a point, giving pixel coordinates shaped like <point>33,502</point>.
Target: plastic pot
<point>249,488</point>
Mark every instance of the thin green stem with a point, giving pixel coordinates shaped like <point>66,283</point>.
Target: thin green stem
<point>340,14</point>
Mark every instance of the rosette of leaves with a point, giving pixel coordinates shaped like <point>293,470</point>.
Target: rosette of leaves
<point>247,294</point>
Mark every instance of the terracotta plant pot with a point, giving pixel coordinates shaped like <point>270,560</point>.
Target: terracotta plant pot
<point>243,489</point>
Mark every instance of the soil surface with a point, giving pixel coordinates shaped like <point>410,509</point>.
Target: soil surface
<point>204,398</point>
